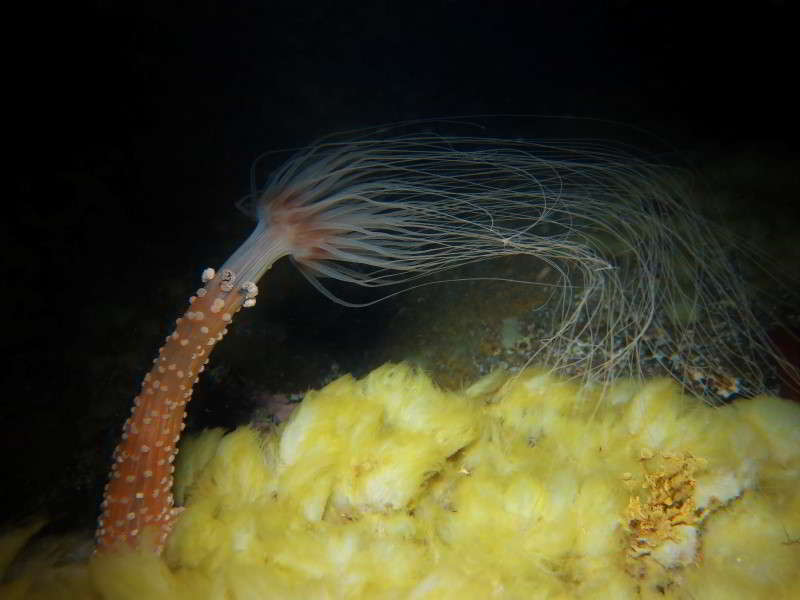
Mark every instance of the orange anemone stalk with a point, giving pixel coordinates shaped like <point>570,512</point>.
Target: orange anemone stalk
<point>138,494</point>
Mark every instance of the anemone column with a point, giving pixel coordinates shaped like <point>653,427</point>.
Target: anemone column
<point>138,495</point>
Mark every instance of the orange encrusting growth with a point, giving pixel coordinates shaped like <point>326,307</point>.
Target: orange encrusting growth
<point>138,495</point>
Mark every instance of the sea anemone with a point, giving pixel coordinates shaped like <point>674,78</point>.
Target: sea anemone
<point>628,257</point>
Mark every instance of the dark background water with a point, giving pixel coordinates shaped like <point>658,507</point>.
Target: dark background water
<point>131,128</point>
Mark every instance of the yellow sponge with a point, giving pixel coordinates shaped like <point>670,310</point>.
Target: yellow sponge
<point>524,486</point>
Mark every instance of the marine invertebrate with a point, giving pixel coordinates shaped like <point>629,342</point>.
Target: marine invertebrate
<point>376,212</point>
<point>138,494</point>
<point>389,486</point>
